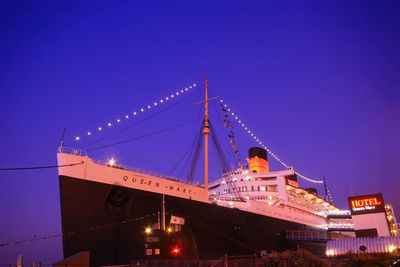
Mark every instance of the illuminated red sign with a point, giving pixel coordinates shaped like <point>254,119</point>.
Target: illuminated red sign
<point>366,204</point>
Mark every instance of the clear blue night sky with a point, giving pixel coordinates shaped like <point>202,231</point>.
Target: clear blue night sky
<point>317,81</point>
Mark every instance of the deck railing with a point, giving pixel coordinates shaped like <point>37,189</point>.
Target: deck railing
<point>313,235</point>
<point>79,152</point>
<point>72,151</point>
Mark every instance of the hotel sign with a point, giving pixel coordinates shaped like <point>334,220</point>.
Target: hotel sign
<point>366,204</point>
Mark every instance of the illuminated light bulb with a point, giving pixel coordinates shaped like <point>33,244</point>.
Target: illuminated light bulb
<point>169,230</point>
<point>148,106</point>
<point>221,101</point>
<point>249,131</point>
<point>166,98</point>
<point>233,113</point>
<point>229,109</point>
<point>225,105</point>
<point>245,128</point>
<point>118,120</point>
<point>186,89</point>
<point>109,124</point>
<point>89,133</point>
<point>181,91</point>
<point>141,110</point>
<point>251,134</point>
<point>148,230</point>
<point>155,103</point>
<point>77,138</point>
<point>111,162</point>
<point>134,113</point>
<point>194,85</point>
<point>242,124</point>
<point>177,93</point>
<point>161,101</point>
<point>236,118</point>
<point>190,87</point>
<point>172,96</point>
<point>126,117</point>
<point>99,128</point>
<point>240,121</point>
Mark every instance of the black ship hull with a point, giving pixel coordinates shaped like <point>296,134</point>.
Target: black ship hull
<point>110,221</point>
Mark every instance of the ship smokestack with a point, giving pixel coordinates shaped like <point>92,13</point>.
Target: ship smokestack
<point>258,160</point>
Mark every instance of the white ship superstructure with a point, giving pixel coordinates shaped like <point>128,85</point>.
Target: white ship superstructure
<point>274,194</point>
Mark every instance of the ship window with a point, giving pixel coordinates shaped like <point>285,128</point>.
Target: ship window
<point>258,188</point>
<point>272,188</point>
<point>252,188</point>
<point>239,189</point>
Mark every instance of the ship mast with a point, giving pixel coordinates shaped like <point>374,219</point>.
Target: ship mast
<point>206,132</point>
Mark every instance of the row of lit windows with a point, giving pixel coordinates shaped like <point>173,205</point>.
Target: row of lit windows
<point>272,188</point>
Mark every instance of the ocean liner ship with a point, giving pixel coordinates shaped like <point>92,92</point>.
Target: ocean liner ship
<point>121,213</point>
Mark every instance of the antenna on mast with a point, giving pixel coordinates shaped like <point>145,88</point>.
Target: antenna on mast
<point>62,140</point>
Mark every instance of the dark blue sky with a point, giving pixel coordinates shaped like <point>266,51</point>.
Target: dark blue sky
<point>317,81</point>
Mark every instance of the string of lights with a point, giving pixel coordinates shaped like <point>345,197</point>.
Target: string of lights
<point>259,142</point>
<point>330,195</point>
<point>93,228</point>
<point>135,113</point>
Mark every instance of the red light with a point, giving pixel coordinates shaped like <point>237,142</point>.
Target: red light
<point>176,250</point>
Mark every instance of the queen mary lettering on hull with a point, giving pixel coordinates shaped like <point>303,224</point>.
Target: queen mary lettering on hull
<point>121,213</point>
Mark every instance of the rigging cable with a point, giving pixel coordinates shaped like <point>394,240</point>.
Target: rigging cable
<point>40,167</point>
<point>262,145</point>
<point>223,162</point>
<point>142,136</point>
<point>224,130</point>
<point>136,123</point>
<point>195,159</point>
<point>188,151</point>
<point>218,149</point>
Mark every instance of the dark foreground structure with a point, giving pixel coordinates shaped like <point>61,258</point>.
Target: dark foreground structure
<point>110,221</point>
